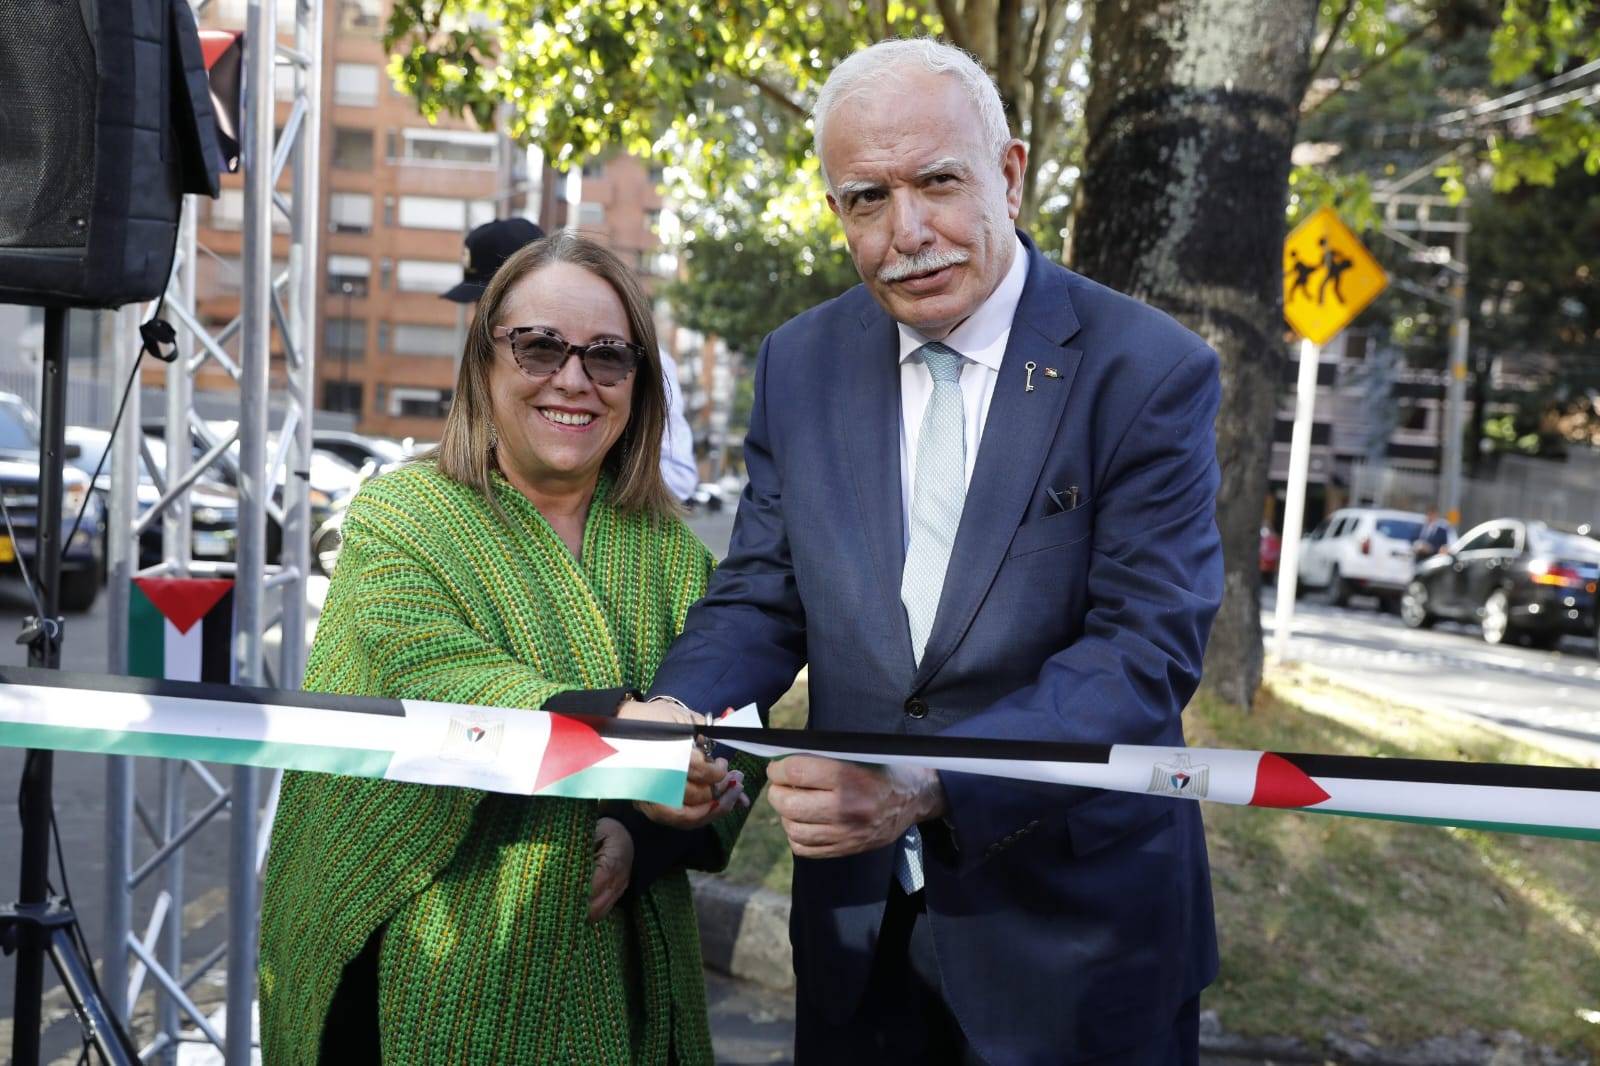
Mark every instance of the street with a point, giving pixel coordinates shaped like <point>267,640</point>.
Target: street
<point>1553,695</point>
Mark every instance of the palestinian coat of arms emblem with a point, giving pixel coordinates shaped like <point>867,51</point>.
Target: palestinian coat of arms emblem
<point>1180,777</point>
<point>473,740</point>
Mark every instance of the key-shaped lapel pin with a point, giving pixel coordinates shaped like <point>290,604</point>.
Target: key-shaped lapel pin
<point>1030,367</point>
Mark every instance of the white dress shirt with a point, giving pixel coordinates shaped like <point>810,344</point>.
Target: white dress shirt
<point>981,340</point>
<point>678,468</point>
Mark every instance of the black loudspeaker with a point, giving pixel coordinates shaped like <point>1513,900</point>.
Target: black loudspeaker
<point>105,122</point>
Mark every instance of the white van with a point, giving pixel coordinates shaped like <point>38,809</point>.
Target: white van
<point>1362,550</point>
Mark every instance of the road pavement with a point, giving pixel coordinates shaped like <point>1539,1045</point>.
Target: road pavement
<point>1552,697</point>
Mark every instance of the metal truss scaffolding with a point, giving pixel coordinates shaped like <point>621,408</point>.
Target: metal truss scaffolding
<point>281,176</point>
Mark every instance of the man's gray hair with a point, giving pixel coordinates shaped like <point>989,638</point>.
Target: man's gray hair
<point>871,67</point>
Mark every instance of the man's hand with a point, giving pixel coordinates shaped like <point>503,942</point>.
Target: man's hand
<point>613,865</point>
<point>831,808</point>
<point>711,791</point>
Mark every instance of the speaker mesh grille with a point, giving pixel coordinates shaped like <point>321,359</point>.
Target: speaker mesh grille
<point>47,124</point>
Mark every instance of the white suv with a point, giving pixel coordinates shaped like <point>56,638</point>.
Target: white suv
<point>1362,549</point>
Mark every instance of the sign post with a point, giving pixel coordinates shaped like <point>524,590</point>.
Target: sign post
<point>1329,278</point>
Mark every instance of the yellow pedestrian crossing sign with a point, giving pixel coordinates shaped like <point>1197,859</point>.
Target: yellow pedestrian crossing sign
<point>1329,277</point>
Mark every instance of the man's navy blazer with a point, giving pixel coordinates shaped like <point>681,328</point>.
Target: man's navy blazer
<point>1068,922</point>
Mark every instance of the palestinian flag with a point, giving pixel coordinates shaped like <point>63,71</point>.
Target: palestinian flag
<point>538,753</point>
<point>181,628</point>
<point>528,753</point>
<point>1540,800</point>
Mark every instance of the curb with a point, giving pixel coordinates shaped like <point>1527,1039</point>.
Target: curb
<point>744,931</point>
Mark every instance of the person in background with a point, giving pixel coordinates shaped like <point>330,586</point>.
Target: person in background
<point>1436,534</point>
<point>535,560</point>
<point>490,245</point>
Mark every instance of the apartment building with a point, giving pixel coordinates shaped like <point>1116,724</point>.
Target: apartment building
<point>1370,409</point>
<point>398,196</point>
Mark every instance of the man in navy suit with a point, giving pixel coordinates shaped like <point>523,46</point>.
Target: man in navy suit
<point>981,503</point>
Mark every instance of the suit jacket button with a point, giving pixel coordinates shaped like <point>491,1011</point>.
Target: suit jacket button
<point>916,707</point>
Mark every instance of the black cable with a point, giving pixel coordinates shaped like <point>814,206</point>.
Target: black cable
<point>115,424</point>
<point>156,333</point>
<point>66,890</point>
<point>22,564</point>
<point>82,945</point>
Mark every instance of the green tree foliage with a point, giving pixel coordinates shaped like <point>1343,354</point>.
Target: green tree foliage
<point>1397,83</point>
<point>1534,295</point>
<point>1507,88</point>
<point>721,88</point>
<point>1535,281</point>
<point>721,92</point>
<point>741,284</point>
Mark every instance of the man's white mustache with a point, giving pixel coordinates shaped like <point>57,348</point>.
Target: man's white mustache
<point>921,263</point>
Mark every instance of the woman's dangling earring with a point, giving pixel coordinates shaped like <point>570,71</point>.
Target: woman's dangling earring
<point>494,436</point>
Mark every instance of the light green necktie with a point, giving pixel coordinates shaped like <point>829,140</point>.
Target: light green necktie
<point>938,492</point>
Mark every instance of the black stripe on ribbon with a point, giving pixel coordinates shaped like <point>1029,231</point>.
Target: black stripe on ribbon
<point>1438,772</point>
<point>1349,767</point>
<point>915,747</point>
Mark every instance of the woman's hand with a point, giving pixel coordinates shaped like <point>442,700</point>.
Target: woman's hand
<point>711,790</point>
<point>613,865</point>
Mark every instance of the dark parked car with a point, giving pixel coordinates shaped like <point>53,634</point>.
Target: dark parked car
<point>82,561</point>
<point>1520,580</point>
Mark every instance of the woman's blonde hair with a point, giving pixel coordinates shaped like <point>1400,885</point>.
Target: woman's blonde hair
<point>465,451</point>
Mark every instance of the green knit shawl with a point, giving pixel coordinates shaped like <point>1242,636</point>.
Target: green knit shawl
<point>487,955</point>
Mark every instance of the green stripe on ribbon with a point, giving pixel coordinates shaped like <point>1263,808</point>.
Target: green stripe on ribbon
<point>649,784</point>
<point>1567,832</point>
<point>353,762</point>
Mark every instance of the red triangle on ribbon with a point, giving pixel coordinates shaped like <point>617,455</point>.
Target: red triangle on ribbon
<point>574,745</point>
<point>183,601</point>
<point>1280,783</point>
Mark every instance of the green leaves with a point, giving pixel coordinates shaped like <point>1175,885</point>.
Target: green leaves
<point>720,92</point>
<point>1543,36</point>
<point>1421,59</point>
<point>1348,194</point>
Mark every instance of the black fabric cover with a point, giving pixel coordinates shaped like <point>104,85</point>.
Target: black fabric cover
<point>104,214</point>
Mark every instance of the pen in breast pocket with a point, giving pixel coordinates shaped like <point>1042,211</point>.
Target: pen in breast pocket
<point>1068,504</point>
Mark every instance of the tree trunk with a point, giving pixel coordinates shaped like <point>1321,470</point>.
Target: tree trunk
<point>1191,118</point>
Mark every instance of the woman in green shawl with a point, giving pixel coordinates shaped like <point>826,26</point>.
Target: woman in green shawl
<point>536,560</point>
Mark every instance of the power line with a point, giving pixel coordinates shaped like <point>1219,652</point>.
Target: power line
<point>1480,110</point>
<point>1467,121</point>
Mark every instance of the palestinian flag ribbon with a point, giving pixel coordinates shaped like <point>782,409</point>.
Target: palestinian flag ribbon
<point>1539,800</point>
<point>529,753</point>
<point>538,753</point>
<point>181,628</point>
